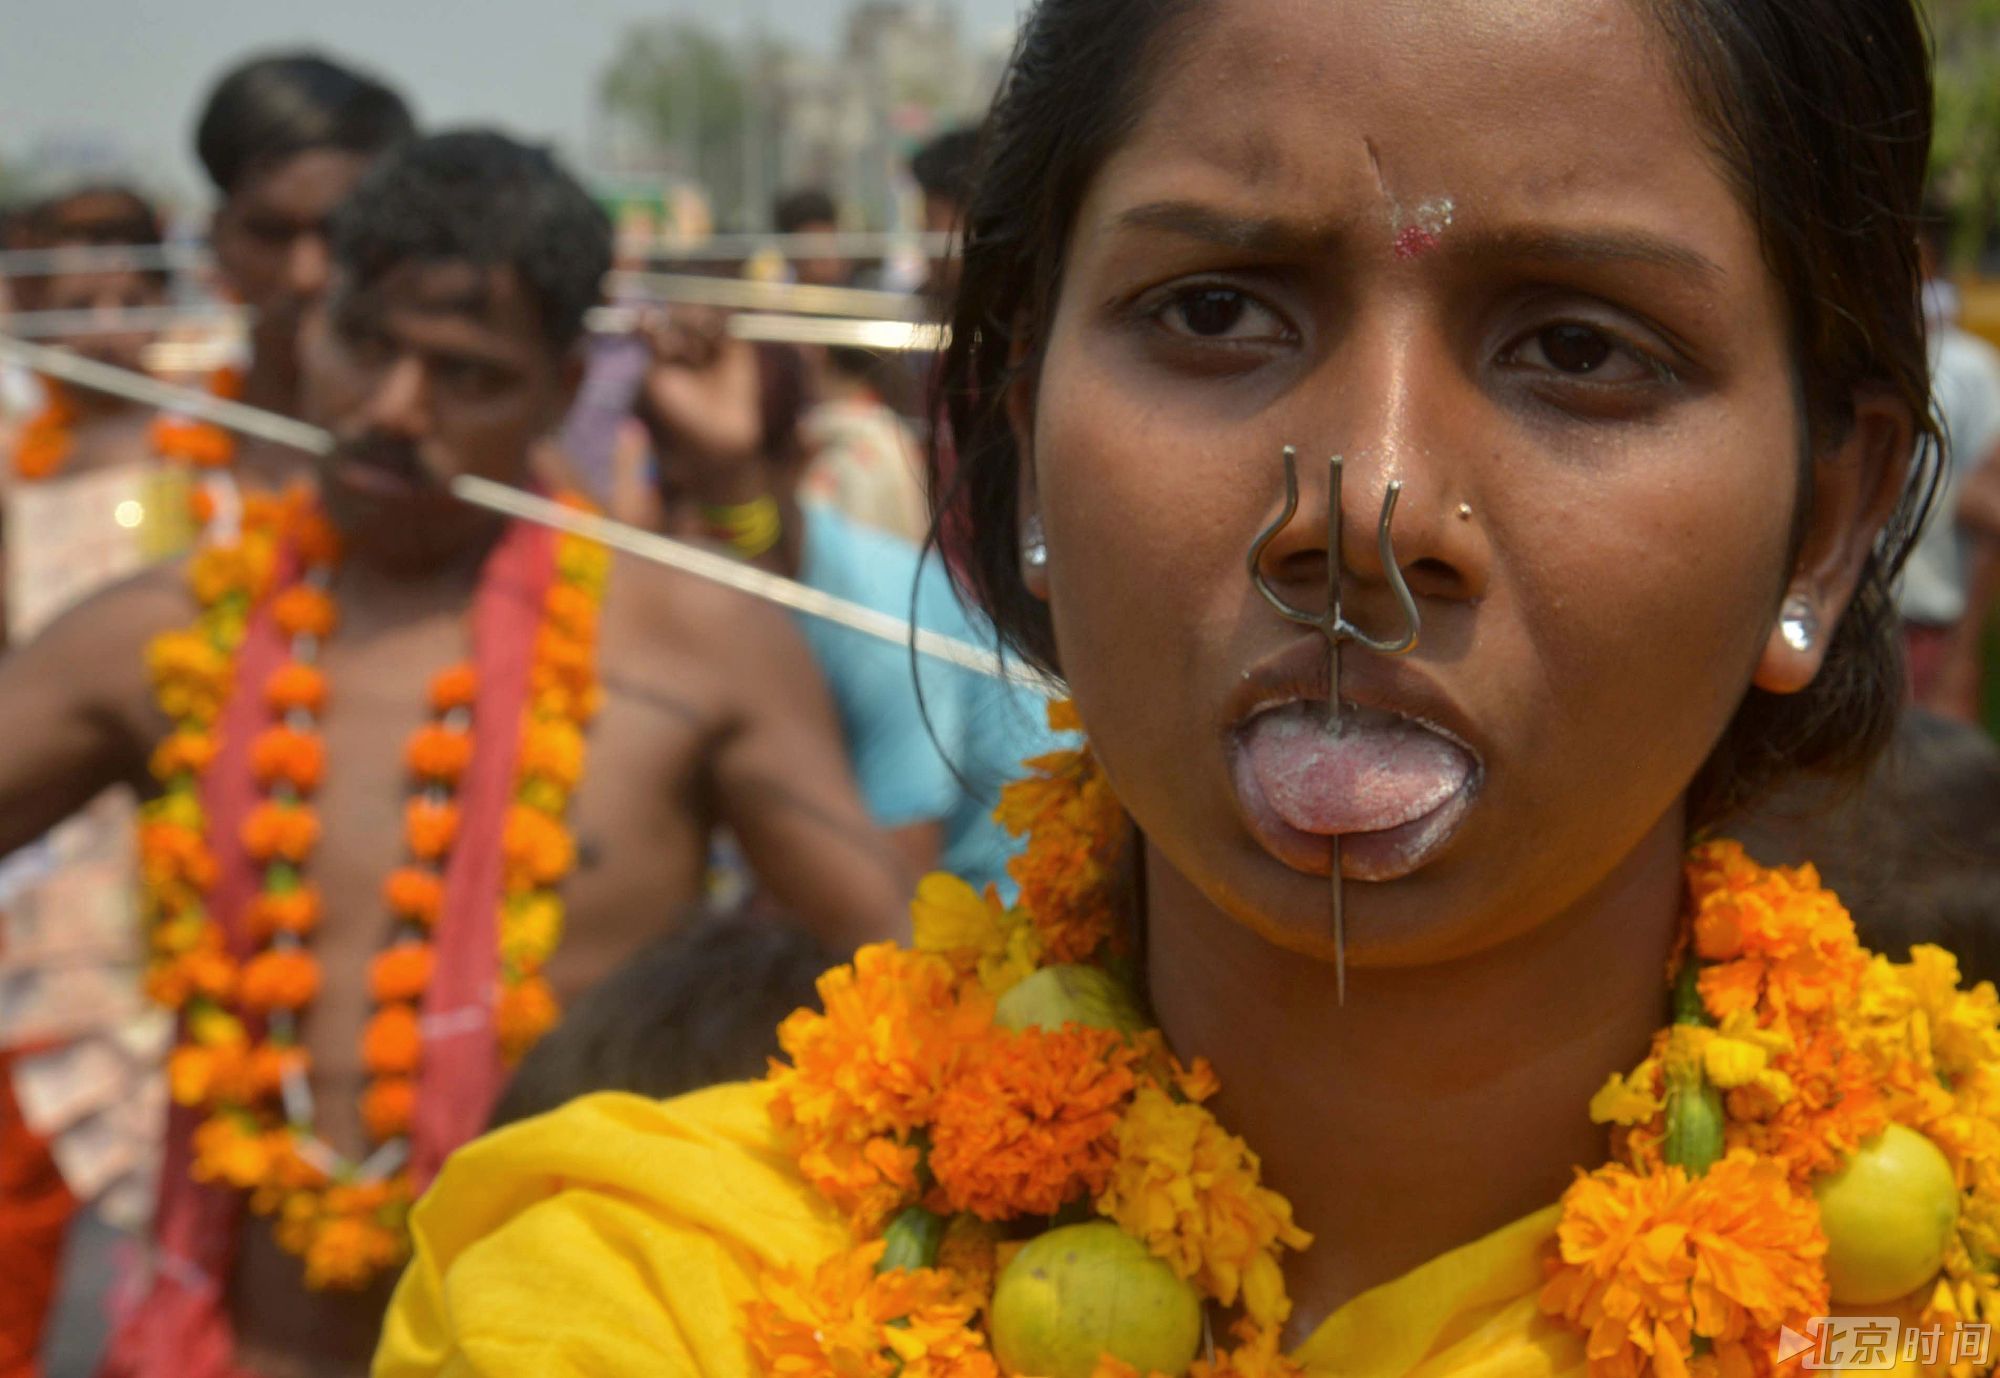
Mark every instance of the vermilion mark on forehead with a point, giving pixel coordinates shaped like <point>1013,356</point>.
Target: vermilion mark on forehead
<point>1414,242</point>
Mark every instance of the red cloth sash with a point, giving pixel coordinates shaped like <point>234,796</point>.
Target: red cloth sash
<point>180,1326</point>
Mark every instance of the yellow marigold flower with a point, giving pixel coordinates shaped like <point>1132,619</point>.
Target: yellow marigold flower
<point>1190,1190</point>
<point>845,1320</point>
<point>531,928</point>
<point>1028,1124</point>
<point>1628,1100</point>
<point>1256,1354</point>
<point>975,933</point>
<point>866,1073</point>
<point>1650,1262</point>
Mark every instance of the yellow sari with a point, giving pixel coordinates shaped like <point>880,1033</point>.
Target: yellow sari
<point>623,1236</point>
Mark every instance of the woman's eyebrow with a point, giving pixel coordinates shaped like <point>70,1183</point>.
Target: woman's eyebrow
<point>1257,234</point>
<point>1607,247</point>
<point>1277,235</point>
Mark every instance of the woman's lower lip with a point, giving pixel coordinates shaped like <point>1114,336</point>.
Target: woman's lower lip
<point>1389,854</point>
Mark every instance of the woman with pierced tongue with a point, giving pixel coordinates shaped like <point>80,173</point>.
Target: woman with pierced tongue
<point>1604,1097</point>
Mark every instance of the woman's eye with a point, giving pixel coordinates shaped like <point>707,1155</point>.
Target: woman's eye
<point>1221,313</point>
<point>1575,350</point>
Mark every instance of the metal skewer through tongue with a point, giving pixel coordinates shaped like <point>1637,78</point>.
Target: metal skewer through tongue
<point>1337,630</point>
<point>514,502</point>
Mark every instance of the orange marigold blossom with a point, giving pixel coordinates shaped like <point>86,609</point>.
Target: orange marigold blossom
<point>197,443</point>
<point>280,832</point>
<point>456,687</point>
<point>553,749</point>
<point>538,849</point>
<point>350,1251</point>
<point>200,1076</point>
<point>572,612</point>
<point>1076,837</point>
<point>303,611</point>
<point>1649,1262</point>
<point>393,1043</point>
<point>865,1074</point>
<point>226,1150</point>
<point>217,571</point>
<point>846,1320</point>
<point>1256,1354</point>
<point>186,751</point>
<point>1029,1122</point>
<point>388,1106</point>
<point>429,828</point>
<point>277,979</point>
<point>271,1063</point>
<point>285,755</point>
<point>526,1010</point>
<point>315,539</point>
<point>402,972</point>
<point>296,912</point>
<point>415,893</point>
<point>295,686</point>
<point>438,753</point>
<point>1191,1192</point>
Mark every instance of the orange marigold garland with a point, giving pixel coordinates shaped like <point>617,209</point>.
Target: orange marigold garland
<point>951,1108</point>
<point>344,1219</point>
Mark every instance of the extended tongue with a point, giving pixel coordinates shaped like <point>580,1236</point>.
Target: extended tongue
<point>1376,773</point>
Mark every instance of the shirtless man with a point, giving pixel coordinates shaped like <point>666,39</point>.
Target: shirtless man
<point>284,139</point>
<point>448,343</point>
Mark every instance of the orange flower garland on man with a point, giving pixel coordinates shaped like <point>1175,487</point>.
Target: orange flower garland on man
<point>87,502</point>
<point>1616,303</point>
<point>420,775</point>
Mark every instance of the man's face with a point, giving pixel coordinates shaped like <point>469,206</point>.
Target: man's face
<point>817,271</point>
<point>270,235</point>
<point>433,370</point>
<point>107,295</point>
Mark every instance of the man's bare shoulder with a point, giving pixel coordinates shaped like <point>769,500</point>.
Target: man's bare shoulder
<point>654,610</point>
<point>129,612</point>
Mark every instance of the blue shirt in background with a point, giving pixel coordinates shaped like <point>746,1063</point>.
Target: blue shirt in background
<point>981,726</point>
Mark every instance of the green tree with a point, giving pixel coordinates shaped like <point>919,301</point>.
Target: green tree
<point>684,88</point>
<point>1965,159</point>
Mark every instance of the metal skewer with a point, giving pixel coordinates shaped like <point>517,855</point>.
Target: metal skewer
<point>513,502</point>
<point>1337,630</point>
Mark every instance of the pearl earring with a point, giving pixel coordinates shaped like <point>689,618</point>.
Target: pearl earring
<point>1034,546</point>
<point>1798,624</point>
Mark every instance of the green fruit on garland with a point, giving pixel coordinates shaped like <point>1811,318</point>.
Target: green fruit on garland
<point>1075,1294</point>
<point>1888,1214</point>
<point>1069,994</point>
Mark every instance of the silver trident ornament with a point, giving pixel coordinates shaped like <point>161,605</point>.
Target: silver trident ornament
<point>1337,630</point>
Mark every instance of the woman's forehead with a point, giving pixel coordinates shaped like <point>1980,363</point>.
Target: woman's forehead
<point>1506,109</point>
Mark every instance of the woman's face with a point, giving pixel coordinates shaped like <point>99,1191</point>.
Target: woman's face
<point>1481,247</point>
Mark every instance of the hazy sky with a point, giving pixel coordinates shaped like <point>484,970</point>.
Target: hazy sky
<point>129,72</point>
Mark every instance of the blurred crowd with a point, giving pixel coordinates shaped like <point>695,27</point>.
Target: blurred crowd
<point>247,682</point>
<point>291,906</point>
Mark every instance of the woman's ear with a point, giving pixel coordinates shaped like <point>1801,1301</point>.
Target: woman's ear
<point>1857,485</point>
<point>1027,497</point>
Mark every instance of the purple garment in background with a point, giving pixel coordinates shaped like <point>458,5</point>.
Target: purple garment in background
<point>614,367</point>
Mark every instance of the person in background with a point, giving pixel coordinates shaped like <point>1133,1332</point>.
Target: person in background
<point>1941,624</point>
<point>87,502</point>
<point>442,739</point>
<point>931,744</point>
<point>696,1008</point>
<point>284,138</point>
<point>807,211</point>
<point>943,169</point>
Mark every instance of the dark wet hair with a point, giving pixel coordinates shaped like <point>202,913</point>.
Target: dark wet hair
<point>478,197</point>
<point>275,108</point>
<point>807,206</point>
<point>1820,112</point>
<point>698,1007</point>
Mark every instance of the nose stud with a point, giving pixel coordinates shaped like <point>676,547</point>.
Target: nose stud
<point>1334,626</point>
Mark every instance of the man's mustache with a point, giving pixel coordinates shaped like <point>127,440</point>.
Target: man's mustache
<point>397,458</point>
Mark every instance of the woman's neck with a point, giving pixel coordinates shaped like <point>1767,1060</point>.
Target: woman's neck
<point>271,382</point>
<point>1440,1102</point>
